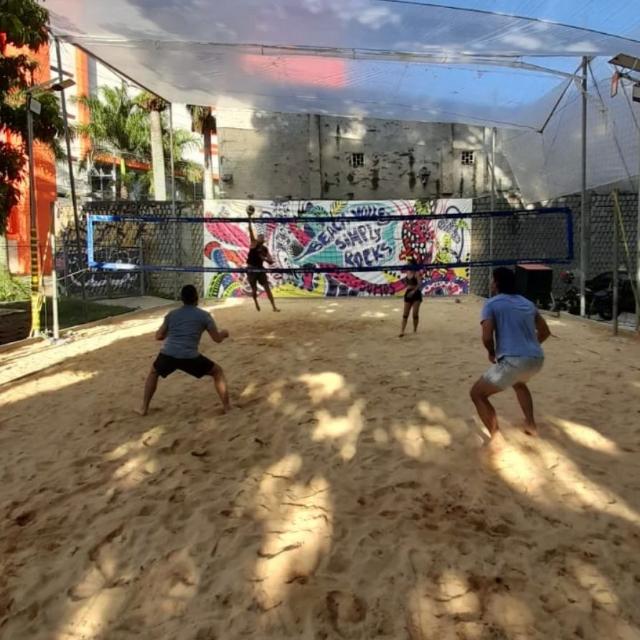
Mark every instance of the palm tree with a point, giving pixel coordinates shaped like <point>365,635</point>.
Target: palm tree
<point>155,105</point>
<point>187,172</point>
<point>118,128</point>
<point>183,141</point>
<point>204,122</point>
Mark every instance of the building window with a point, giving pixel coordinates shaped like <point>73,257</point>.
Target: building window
<point>356,160</point>
<point>101,181</point>
<point>467,158</point>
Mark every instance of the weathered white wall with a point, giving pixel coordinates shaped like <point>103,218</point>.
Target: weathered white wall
<point>267,154</point>
<point>271,155</point>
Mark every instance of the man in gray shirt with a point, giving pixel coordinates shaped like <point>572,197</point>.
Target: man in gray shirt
<point>181,331</point>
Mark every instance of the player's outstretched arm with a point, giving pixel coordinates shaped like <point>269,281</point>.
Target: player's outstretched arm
<point>218,336</point>
<point>252,235</point>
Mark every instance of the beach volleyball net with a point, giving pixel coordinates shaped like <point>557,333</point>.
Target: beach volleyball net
<point>332,248</point>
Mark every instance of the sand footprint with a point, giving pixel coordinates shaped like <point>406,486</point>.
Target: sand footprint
<point>345,609</point>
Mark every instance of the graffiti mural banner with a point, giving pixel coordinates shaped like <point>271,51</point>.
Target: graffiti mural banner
<point>359,243</point>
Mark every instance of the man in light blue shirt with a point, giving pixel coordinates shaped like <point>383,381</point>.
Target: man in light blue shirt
<point>181,332</point>
<point>512,332</point>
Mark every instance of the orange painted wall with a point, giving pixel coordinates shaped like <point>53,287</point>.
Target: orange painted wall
<point>82,89</point>
<point>45,181</point>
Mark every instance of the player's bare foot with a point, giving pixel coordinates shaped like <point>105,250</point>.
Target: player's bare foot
<point>531,430</point>
<point>401,335</point>
<point>276,310</point>
<point>143,411</point>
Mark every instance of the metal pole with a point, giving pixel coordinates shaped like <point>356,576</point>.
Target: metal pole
<point>173,202</point>
<point>493,201</point>
<point>141,263</point>
<point>638,246</point>
<point>172,160</point>
<point>583,196</point>
<point>493,168</point>
<point>33,227</point>
<point>54,277</point>
<point>616,261</point>
<point>72,182</point>
<point>319,123</point>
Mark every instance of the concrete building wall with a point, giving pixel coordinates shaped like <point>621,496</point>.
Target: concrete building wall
<point>264,155</point>
<point>270,155</point>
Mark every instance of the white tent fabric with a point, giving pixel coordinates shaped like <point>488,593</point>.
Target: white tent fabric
<point>396,59</point>
<point>548,164</point>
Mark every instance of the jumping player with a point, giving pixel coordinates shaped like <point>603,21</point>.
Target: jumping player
<point>181,331</point>
<point>258,254</point>
<point>512,332</point>
<point>412,297</point>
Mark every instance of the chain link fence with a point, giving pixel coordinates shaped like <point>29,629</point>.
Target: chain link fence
<point>600,242</point>
<point>132,243</point>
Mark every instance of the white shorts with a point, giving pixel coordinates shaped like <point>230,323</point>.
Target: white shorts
<point>510,370</point>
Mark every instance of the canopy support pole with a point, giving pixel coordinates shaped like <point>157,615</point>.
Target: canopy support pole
<point>72,184</point>
<point>583,195</point>
<point>173,202</point>
<point>616,267</point>
<point>493,201</point>
<point>637,298</point>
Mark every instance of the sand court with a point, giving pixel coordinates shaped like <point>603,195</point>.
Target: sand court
<point>346,496</point>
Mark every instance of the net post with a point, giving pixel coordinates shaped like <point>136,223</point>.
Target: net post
<point>615,260</point>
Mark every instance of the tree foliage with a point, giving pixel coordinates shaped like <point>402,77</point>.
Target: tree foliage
<point>23,23</point>
<point>202,118</point>
<point>119,128</point>
<point>204,122</point>
<point>117,125</point>
<point>151,102</point>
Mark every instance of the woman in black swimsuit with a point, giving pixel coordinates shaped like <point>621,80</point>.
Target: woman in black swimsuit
<point>258,255</point>
<point>412,297</point>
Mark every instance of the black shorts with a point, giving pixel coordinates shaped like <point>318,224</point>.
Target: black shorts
<point>258,278</point>
<point>415,296</point>
<point>197,367</point>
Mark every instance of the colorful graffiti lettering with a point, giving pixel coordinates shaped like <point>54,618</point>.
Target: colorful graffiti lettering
<point>378,243</point>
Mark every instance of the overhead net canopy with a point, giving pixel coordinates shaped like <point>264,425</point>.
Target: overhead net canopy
<point>395,59</point>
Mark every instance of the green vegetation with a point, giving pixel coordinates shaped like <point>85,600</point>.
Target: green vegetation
<point>22,23</point>
<point>12,289</point>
